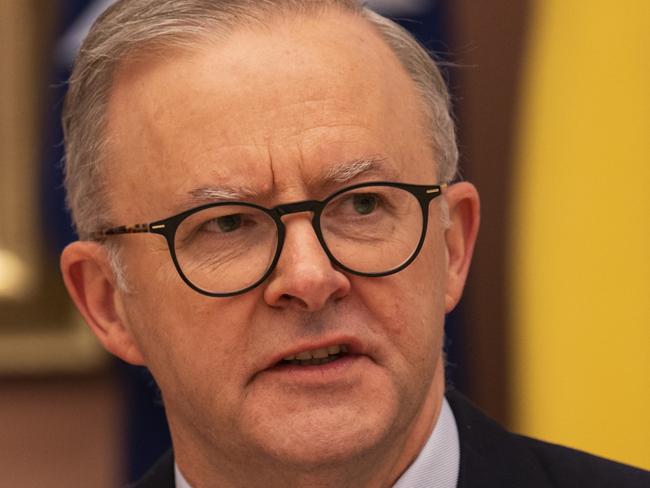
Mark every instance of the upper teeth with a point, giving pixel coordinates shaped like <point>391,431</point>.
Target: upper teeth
<point>320,353</point>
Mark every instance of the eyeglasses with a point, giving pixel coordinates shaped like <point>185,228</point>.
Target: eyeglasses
<point>227,248</point>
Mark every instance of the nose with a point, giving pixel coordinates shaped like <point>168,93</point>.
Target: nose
<point>304,277</point>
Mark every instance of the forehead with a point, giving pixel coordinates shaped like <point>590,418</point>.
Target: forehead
<point>271,111</point>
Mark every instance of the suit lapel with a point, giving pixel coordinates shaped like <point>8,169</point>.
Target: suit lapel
<point>491,457</point>
<point>161,475</point>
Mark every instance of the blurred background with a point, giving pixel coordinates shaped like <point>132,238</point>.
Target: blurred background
<point>553,335</point>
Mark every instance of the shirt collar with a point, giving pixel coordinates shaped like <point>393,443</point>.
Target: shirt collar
<point>181,482</point>
<point>437,464</point>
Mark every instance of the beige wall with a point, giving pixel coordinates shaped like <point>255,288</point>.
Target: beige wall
<point>18,129</point>
<point>61,433</point>
<point>60,408</point>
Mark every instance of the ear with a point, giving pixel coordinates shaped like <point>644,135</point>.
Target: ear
<point>91,284</point>
<point>464,215</point>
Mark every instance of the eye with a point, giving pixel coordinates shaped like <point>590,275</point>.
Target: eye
<point>229,223</point>
<point>365,203</point>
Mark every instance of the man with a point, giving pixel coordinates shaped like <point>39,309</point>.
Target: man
<point>293,158</point>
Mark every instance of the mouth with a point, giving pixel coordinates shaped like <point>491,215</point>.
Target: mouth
<point>330,361</point>
<point>315,357</point>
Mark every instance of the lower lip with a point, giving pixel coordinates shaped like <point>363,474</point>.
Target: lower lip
<point>331,371</point>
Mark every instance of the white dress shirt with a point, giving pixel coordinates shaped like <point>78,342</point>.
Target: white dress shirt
<point>437,464</point>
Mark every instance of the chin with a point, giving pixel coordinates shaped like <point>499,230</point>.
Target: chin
<point>322,436</point>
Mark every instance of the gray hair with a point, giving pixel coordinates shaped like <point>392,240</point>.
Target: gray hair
<point>132,28</point>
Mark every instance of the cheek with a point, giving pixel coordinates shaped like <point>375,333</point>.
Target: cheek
<point>198,358</point>
<point>407,309</point>
<point>416,293</point>
<point>189,340</point>
<point>408,312</point>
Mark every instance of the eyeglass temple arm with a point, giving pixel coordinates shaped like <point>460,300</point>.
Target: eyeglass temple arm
<point>437,190</point>
<point>124,229</point>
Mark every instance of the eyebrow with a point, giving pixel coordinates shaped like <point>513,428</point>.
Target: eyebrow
<point>218,193</point>
<point>339,173</point>
<point>349,170</point>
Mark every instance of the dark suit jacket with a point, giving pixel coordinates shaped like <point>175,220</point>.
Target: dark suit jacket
<point>491,457</point>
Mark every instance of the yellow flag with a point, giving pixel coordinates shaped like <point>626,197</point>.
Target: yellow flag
<point>581,238</point>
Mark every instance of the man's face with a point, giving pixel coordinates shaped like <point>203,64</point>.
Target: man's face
<point>274,113</point>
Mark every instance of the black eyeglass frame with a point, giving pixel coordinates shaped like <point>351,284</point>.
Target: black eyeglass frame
<point>167,228</point>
